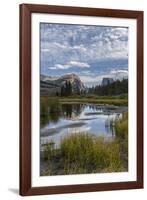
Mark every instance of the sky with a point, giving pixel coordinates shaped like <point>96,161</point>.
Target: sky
<point>91,52</point>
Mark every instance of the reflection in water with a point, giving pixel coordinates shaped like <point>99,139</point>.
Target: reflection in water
<point>50,111</point>
<point>71,111</point>
<point>60,120</point>
<point>53,111</point>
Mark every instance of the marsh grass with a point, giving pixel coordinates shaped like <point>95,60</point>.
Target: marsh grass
<point>84,153</point>
<point>115,100</point>
<point>49,151</point>
<point>121,127</point>
<point>121,131</point>
<point>96,100</point>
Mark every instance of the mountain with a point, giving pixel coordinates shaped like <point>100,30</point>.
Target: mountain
<point>107,81</point>
<point>49,82</point>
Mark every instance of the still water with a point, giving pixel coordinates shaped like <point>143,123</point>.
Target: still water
<point>65,119</point>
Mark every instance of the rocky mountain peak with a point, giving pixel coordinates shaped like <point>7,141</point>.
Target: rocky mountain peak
<point>76,83</point>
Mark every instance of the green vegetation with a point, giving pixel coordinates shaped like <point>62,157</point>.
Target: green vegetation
<point>121,131</point>
<point>116,88</point>
<point>113,101</point>
<point>93,96</point>
<point>66,90</point>
<point>85,153</point>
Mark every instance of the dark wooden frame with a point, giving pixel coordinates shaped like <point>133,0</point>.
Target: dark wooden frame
<point>25,99</point>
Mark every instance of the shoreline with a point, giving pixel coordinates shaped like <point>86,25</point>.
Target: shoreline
<point>94,100</point>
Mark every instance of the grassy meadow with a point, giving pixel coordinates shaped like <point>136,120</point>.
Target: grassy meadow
<point>119,100</point>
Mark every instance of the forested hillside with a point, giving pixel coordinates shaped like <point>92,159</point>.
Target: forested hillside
<point>116,88</point>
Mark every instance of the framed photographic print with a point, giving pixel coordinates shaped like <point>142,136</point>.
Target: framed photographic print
<point>81,99</point>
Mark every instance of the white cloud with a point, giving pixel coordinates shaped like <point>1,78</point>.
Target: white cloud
<point>86,72</point>
<point>45,50</point>
<point>79,64</point>
<point>75,46</point>
<point>119,71</point>
<point>119,74</point>
<point>91,79</point>
<point>80,47</point>
<point>94,80</point>
<point>84,42</point>
<point>70,65</point>
<point>58,66</point>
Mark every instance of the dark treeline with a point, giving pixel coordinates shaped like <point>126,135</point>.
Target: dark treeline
<point>116,88</point>
<point>66,89</point>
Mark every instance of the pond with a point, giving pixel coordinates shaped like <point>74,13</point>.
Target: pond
<point>60,120</point>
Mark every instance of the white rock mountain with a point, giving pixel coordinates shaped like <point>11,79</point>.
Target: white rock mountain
<point>50,84</point>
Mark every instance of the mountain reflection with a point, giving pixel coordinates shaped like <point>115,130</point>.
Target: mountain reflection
<point>52,111</point>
